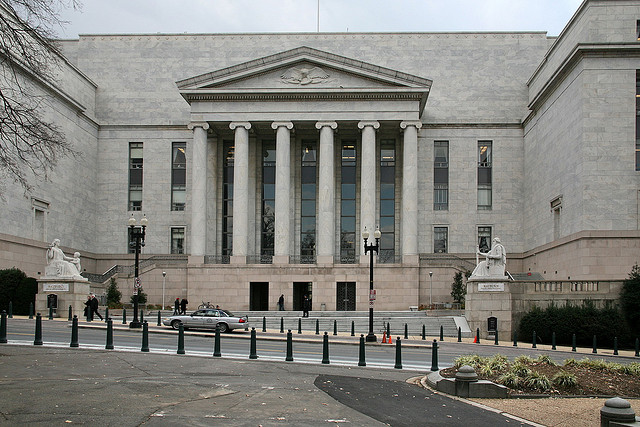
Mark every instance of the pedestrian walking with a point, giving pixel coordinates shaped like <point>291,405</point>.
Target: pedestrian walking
<point>183,305</point>
<point>94,306</point>
<point>87,307</point>
<point>306,306</point>
<point>176,307</point>
<point>281,303</point>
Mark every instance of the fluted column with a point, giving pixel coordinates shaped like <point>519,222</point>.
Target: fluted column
<point>326,227</point>
<point>368,178</point>
<point>241,188</point>
<point>409,224</point>
<point>283,190</point>
<point>198,230</point>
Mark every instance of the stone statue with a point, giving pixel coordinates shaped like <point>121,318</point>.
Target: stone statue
<point>494,264</point>
<point>60,265</point>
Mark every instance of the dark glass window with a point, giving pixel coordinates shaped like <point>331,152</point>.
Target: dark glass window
<point>227,198</point>
<point>135,176</point>
<point>484,239</point>
<point>178,176</point>
<point>387,199</point>
<point>440,239</point>
<point>177,240</point>
<point>441,175</point>
<point>348,204</point>
<point>268,198</point>
<point>638,118</point>
<point>484,175</point>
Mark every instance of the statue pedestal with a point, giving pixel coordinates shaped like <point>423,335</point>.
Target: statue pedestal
<point>488,305</point>
<point>66,291</point>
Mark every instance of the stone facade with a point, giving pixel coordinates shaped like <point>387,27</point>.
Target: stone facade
<point>559,113</point>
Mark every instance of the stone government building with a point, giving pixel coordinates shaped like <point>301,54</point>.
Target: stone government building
<point>258,160</point>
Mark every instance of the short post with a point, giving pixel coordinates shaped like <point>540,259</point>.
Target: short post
<point>289,357</point>
<point>441,333</point>
<point>361,357</point>
<point>353,328</point>
<point>38,337</point>
<point>299,325</point>
<point>459,334</point>
<point>406,331</point>
<point>181,339</point>
<point>264,324</point>
<point>145,338</point>
<point>637,347</point>
<point>616,411</point>
<point>30,310</point>
<point>50,312</point>
<point>141,316</point>
<point>253,353</point>
<point>70,313</point>
<point>124,316</point>
<point>434,356</point>
<point>159,319</point>
<point>106,314</point>
<point>533,341</point>
<point>388,330</point>
<point>317,327</point>
<point>109,344</point>
<point>398,364</point>
<point>325,349</point>
<point>553,340</point>
<point>424,332</point>
<point>478,335</point>
<point>3,327</point>
<point>335,327</point>
<point>573,342</point>
<point>74,332</point>
<point>282,325</point>
<point>216,343</point>
<point>496,337</point>
<point>10,309</point>
<point>615,346</point>
<point>595,346</point>
<point>515,338</point>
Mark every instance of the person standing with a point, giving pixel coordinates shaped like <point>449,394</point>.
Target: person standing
<point>306,306</point>
<point>281,303</point>
<point>176,307</point>
<point>183,305</point>
<point>94,306</point>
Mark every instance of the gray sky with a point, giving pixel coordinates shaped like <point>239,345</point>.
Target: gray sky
<point>237,16</point>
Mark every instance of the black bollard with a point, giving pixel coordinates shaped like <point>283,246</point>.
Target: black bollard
<point>325,349</point>
<point>159,319</point>
<point>282,325</point>
<point>30,310</point>
<point>106,314</point>
<point>38,337</point>
<point>70,313</point>
<point>124,316</point>
<point>553,340</point>
<point>478,335</point>
<point>353,328</point>
<point>317,327</point>
<point>181,339</point>
<point>74,332</point>
<point>299,325</point>
<point>459,334</point>
<point>496,337</point>
<point>253,353</point>
<point>434,356</point>
<point>441,333</point>
<point>406,332</point>
<point>50,312</point>
<point>533,341</point>
<point>335,327</point>
<point>515,338</point>
<point>573,342</point>
<point>3,327</point>
<point>615,346</point>
<point>289,357</point>
<point>264,324</point>
<point>595,346</point>
<point>145,338</point>
<point>398,364</point>
<point>141,316</point>
<point>388,330</point>
<point>424,332</point>
<point>361,358</point>
<point>109,344</point>
<point>216,343</point>
<point>637,347</point>
<point>10,309</point>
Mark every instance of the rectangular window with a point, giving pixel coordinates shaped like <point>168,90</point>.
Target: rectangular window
<point>348,203</point>
<point>268,200</point>
<point>484,175</point>
<point>135,176</point>
<point>227,199</point>
<point>177,240</point>
<point>308,202</point>
<point>441,175</point>
<point>638,29</point>
<point>178,176</point>
<point>484,238</point>
<point>638,120</point>
<point>440,239</point>
<point>387,200</point>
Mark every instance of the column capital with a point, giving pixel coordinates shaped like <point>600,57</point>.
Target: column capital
<point>234,125</point>
<point>372,123</point>
<point>193,125</point>
<point>332,125</point>
<point>276,125</point>
<point>416,123</point>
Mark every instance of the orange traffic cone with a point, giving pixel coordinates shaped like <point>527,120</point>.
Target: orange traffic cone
<point>475,339</point>
<point>384,337</point>
<point>390,342</point>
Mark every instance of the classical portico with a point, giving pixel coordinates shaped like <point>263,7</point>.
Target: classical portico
<point>302,93</point>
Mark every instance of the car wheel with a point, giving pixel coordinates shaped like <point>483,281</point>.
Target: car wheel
<point>223,327</point>
<point>176,324</point>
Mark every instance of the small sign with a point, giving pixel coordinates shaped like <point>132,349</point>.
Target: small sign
<point>137,283</point>
<point>372,295</point>
<point>491,287</point>
<point>492,323</point>
<point>55,287</point>
<point>135,291</point>
<point>52,301</point>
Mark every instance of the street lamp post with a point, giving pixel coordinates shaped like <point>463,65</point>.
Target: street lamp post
<point>137,233</point>
<point>430,289</point>
<point>164,276</point>
<point>371,249</point>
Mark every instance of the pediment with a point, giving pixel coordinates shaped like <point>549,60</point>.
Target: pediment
<point>304,72</point>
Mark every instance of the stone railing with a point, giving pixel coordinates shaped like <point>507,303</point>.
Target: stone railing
<point>129,270</point>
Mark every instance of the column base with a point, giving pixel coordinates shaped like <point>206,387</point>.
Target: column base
<point>135,325</point>
<point>371,338</point>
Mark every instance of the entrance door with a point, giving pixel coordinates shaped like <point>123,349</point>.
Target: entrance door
<point>300,289</point>
<point>259,296</point>
<point>346,296</point>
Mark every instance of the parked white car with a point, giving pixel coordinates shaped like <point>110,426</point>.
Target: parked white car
<point>207,318</point>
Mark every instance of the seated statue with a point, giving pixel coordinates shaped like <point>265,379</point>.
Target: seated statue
<point>60,265</point>
<point>494,264</point>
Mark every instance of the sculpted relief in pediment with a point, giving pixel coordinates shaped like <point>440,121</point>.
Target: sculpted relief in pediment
<point>304,75</point>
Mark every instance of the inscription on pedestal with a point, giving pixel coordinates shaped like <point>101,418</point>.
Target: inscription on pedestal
<point>491,287</point>
<point>55,287</point>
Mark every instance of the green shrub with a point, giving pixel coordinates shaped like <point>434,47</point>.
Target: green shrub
<point>564,379</point>
<point>510,380</point>
<point>544,358</point>
<point>523,360</point>
<point>537,381</point>
<point>113,294</point>
<point>519,369</point>
<point>16,287</point>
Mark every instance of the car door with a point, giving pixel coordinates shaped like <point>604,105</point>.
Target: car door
<point>210,319</point>
<point>195,320</point>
